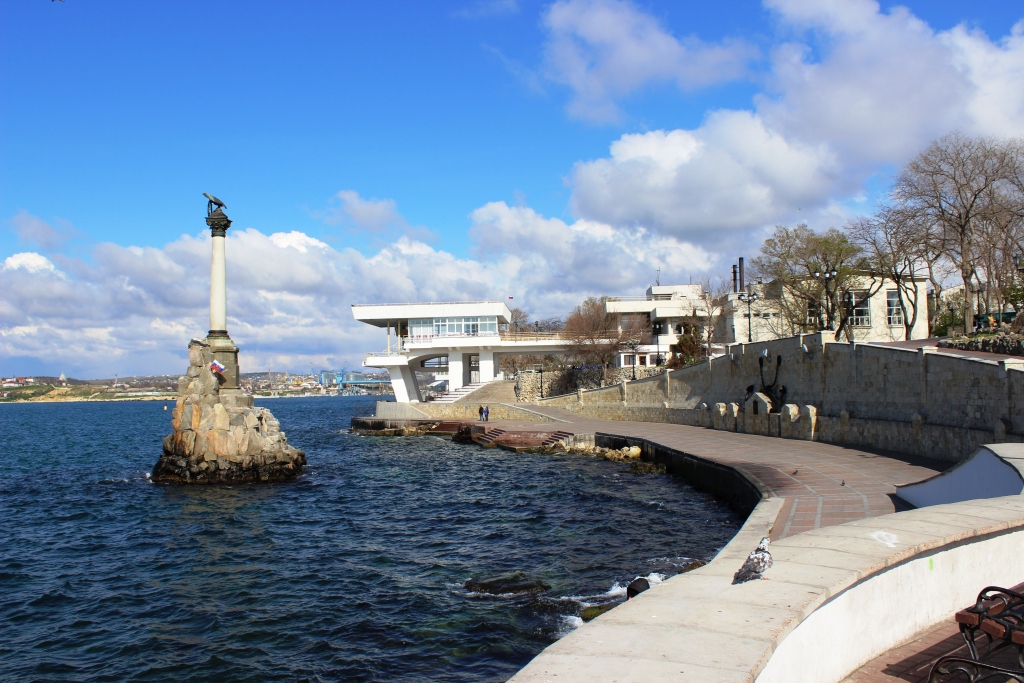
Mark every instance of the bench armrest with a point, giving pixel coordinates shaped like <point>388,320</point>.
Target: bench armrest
<point>995,600</point>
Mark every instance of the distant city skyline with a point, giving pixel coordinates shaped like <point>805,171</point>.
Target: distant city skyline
<point>401,151</point>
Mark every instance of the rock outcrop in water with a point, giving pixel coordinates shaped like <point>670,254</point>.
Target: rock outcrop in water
<point>219,437</point>
<point>505,585</point>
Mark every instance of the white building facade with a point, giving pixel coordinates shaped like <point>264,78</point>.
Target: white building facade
<point>671,311</point>
<point>461,339</point>
<point>874,318</point>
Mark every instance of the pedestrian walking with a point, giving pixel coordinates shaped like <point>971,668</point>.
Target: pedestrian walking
<point>481,411</point>
<point>487,414</point>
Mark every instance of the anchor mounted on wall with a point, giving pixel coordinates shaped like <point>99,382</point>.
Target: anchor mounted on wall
<point>776,394</point>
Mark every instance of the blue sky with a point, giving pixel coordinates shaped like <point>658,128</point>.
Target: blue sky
<point>461,136</point>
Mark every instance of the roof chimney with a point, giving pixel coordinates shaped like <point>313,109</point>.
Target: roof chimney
<point>742,280</point>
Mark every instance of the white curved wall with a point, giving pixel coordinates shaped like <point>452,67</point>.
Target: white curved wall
<point>888,608</point>
<point>984,475</point>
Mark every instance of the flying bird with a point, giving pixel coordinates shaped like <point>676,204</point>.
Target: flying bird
<point>213,200</point>
<point>758,562</point>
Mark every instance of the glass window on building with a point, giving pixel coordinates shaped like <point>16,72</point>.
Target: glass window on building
<point>861,315</point>
<point>460,326</point>
<point>893,312</point>
<point>421,328</point>
<point>813,311</point>
<point>628,360</point>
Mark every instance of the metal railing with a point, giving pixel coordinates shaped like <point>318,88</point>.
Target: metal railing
<point>431,303</point>
<point>527,335</point>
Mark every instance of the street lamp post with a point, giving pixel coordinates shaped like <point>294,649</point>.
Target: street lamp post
<point>749,298</point>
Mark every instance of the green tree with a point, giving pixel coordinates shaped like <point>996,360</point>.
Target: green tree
<point>818,273</point>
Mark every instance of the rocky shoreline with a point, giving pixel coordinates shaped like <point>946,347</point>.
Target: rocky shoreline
<point>470,434</point>
<point>219,437</point>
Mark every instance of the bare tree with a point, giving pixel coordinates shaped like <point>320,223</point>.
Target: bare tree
<point>892,243</point>
<point>591,333</point>
<point>952,184</point>
<point>712,301</point>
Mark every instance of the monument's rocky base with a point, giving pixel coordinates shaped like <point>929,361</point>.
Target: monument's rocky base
<point>219,437</point>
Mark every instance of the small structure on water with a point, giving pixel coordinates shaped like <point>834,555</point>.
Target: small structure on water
<point>219,437</point>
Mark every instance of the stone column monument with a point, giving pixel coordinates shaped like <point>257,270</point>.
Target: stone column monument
<point>219,437</point>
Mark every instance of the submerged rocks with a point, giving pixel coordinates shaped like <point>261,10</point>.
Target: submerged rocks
<point>644,467</point>
<point>516,583</point>
<point>214,443</point>
<point>594,611</point>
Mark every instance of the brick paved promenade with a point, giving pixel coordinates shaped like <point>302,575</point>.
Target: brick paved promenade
<point>822,484</point>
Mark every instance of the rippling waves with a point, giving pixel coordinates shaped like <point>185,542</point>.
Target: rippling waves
<point>354,572</point>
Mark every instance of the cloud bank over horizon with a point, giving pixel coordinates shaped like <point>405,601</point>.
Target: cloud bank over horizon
<point>132,310</point>
<point>846,93</point>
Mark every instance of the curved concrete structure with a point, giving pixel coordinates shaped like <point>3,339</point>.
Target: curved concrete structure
<point>836,598</point>
<point>993,470</point>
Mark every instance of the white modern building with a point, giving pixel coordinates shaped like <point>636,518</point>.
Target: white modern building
<point>460,338</point>
<point>670,310</point>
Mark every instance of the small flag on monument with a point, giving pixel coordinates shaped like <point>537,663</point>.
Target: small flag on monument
<point>217,367</point>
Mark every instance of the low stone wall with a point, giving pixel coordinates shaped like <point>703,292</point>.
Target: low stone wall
<point>802,422</point>
<point>557,382</point>
<point>921,402</point>
<point>836,598</point>
<point>470,411</point>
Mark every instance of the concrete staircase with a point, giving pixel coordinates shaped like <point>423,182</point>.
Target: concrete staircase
<point>555,437</point>
<point>496,437</point>
<point>488,438</point>
<point>453,396</point>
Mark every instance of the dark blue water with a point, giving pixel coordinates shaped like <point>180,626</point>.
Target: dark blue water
<point>351,573</point>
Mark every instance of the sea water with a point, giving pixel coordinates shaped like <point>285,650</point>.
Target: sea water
<point>353,572</point>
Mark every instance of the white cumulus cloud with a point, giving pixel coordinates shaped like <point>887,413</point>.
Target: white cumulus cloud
<point>606,49</point>
<point>703,185</point>
<point>852,91</point>
<point>30,261</point>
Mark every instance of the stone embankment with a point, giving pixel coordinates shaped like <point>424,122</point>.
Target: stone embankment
<point>1008,344</point>
<point>920,402</point>
<point>218,441</point>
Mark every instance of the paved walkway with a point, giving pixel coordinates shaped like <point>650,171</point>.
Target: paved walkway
<point>913,660</point>
<point>822,484</point>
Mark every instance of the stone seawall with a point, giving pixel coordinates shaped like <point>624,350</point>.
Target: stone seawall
<point>528,383</point>
<point>470,411</point>
<point>919,402</point>
<point>724,482</point>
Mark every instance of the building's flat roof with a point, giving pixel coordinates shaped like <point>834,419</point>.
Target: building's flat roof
<point>382,315</point>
